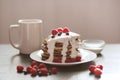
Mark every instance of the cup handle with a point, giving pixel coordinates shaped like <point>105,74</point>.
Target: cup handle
<point>11,27</point>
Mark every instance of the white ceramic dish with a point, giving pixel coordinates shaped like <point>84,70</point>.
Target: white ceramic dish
<point>87,56</point>
<point>93,45</point>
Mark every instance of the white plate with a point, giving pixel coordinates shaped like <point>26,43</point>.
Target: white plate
<point>87,56</point>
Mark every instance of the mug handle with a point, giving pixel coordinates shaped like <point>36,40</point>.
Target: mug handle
<point>11,27</point>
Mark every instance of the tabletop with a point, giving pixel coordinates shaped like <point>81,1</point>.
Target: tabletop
<point>109,58</point>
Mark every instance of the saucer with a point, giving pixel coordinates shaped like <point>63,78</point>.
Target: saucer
<point>95,46</point>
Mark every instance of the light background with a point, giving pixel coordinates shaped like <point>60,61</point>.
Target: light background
<point>93,19</point>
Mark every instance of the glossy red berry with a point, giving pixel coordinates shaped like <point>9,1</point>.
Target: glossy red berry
<point>42,65</point>
<point>28,69</point>
<point>54,32</point>
<point>99,66</point>
<point>60,29</point>
<point>97,71</point>
<point>44,71</point>
<point>34,63</point>
<point>20,68</point>
<point>92,67</point>
<point>35,66</point>
<point>65,30</point>
<point>33,71</point>
<point>54,70</point>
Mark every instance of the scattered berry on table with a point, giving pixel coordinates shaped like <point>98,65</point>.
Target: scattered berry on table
<point>20,68</point>
<point>33,71</point>
<point>42,65</point>
<point>44,71</point>
<point>92,67</point>
<point>97,71</point>
<point>28,69</point>
<point>100,66</point>
<point>54,70</point>
<point>34,63</point>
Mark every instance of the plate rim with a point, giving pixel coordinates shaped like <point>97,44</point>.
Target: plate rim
<point>93,55</point>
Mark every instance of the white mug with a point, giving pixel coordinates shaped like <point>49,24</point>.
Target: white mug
<point>30,35</point>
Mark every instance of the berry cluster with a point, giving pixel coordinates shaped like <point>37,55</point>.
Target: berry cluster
<point>36,69</point>
<point>97,70</point>
<point>59,31</point>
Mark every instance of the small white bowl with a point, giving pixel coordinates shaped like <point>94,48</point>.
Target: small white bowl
<point>93,45</point>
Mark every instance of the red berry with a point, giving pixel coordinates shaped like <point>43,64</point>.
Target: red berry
<point>65,30</point>
<point>35,66</point>
<point>34,63</point>
<point>42,65</point>
<point>99,66</point>
<point>78,58</point>
<point>60,29</point>
<point>20,68</point>
<point>54,32</point>
<point>33,71</point>
<point>28,69</point>
<point>91,68</point>
<point>54,70</point>
<point>44,71</point>
<point>97,71</point>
